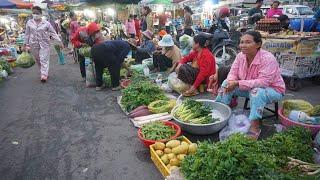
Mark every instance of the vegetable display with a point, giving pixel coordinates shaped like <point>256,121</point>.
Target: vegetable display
<point>194,112</point>
<point>141,93</point>
<point>315,111</point>
<point>142,119</point>
<point>25,60</point>
<point>85,51</point>
<point>106,77</point>
<point>173,152</point>
<point>157,131</point>
<point>161,106</point>
<point>240,157</point>
<point>296,104</point>
<point>4,65</point>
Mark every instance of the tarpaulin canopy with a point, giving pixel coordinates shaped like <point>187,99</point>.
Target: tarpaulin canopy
<point>156,1</point>
<point>21,4</point>
<point>7,4</point>
<point>112,1</point>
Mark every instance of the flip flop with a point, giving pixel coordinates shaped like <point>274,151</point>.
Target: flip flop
<point>254,135</point>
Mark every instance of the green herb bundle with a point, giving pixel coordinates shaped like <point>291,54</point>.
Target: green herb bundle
<point>240,157</point>
<point>157,131</point>
<point>141,93</point>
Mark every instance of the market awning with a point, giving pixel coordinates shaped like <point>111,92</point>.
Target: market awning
<point>7,4</point>
<point>156,1</point>
<point>21,4</point>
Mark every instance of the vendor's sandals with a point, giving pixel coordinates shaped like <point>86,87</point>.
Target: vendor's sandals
<point>254,134</point>
<point>116,88</point>
<point>44,79</point>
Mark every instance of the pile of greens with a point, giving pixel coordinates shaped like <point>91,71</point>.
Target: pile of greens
<point>240,157</point>
<point>106,77</point>
<point>141,93</point>
<point>4,65</point>
<point>194,112</point>
<point>157,131</point>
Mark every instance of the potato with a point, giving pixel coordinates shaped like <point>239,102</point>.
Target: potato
<point>159,153</point>
<point>167,150</point>
<point>182,149</point>
<point>173,168</point>
<point>169,166</point>
<point>159,146</point>
<point>192,148</point>
<point>174,162</point>
<point>171,156</point>
<point>184,143</point>
<point>181,156</point>
<point>185,148</point>
<point>173,143</point>
<point>165,159</point>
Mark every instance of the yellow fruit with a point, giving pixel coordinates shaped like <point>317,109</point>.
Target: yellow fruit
<point>173,143</point>
<point>192,148</point>
<point>182,149</point>
<point>167,150</point>
<point>184,143</point>
<point>159,146</point>
<point>159,153</point>
<point>165,159</point>
<point>181,156</point>
<point>174,162</point>
<point>185,148</point>
<point>171,156</point>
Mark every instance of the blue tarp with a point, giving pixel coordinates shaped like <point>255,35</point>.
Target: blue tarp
<point>6,4</point>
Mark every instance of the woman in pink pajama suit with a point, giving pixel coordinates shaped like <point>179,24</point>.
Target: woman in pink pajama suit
<point>37,36</point>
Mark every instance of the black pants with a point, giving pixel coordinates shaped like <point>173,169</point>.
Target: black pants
<point>105,59</point>
<point>132,35</point>
<point>82,64</point>
<point>161,62</point>
<point>140,55</point>
<point>188,32</point>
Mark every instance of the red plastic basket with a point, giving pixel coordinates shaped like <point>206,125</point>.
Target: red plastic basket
<point>148,142</point>
<point>288,123</point>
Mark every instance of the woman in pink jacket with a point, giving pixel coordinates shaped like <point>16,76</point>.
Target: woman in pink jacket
<point>37,37</point>
<point>130,27</point>
<point>255,74</point>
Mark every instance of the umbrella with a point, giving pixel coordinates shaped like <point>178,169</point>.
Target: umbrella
<point>21,4</point>
<point>6,4</point>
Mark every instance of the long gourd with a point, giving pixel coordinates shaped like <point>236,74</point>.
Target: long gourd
<point>142,118</point>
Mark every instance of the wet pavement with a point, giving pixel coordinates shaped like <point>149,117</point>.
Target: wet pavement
<point>63,130</point>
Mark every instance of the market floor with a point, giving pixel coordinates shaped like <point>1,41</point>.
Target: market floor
<point>62,130</point>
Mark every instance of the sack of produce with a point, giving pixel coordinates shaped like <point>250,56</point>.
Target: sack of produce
<point>176,84</point>
<point>85,51</point>
<point>90,76</point>
<point>161,106</point>
<point>296,104</point>
<point>25,60</point>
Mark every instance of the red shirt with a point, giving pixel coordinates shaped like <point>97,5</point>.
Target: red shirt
<point>206,63</point>
<point>76,39</point>
<point>74,26</point>
<point>137,25</point>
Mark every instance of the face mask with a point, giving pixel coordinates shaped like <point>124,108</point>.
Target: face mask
<point>36,16</point>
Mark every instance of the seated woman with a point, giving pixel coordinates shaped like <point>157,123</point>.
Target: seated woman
<point>169,55</point>
<point>255,74</point>
<point>202,67</point>
<point>146,49</point>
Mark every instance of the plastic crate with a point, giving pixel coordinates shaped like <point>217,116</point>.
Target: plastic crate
<point>157,161</point>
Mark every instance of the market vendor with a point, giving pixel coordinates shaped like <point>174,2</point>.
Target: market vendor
<point>111,55</point>
<point>169,55</point>
<point>255,74</point>
<point>37,36</point>
<point>274,11</point>
<point>202,67</point>
<point>146,49</point>
<point>89,35</point>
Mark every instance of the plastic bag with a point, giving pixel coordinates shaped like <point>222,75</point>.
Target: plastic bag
<point>176,84</point>
<point>236,124</point>
<point>3,74</point>
<point>90,76</point>
<point>25,60</point>
<point>165,87</point>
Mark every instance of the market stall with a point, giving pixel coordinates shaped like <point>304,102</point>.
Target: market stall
<point>298,55</point>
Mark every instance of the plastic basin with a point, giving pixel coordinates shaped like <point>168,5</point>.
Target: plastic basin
<point>289,123</point>
<point>148,142</point>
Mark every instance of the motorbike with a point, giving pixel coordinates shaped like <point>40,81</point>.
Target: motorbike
<point>221,45</point>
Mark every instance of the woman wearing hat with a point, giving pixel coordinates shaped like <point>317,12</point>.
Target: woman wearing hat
<point>146,49</point>
<point>169,55</point>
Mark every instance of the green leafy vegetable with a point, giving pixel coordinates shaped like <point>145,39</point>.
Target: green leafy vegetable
<point>195,112</point>
<point>157,131</point>
<point>240,157</point>
<point>141,93</point>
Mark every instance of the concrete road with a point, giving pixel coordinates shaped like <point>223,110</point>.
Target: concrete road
<point>62,130</point>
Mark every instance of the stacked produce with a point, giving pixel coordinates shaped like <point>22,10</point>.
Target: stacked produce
<point>25,60</point>
<point>157,131</point>
<point>271,25</point>
<point>161,106</point>
<point>141,93</point>
<point>240,157</point>
<point>173,152</point>
<point>195,112</point>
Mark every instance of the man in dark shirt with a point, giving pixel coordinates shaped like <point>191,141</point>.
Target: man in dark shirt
<point>255,10</point>
<point>111,55</point>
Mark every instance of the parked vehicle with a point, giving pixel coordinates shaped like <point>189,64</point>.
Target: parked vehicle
<point>297,11</point>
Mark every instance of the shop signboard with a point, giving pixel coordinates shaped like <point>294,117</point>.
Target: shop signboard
<point>300,58</point>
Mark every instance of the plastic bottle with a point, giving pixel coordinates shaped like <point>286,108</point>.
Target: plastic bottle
<point>300,116</point>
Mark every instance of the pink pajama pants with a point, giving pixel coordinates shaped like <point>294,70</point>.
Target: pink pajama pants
<point>42,57</point>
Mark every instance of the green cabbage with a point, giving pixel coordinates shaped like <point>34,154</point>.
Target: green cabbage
<point>25,60</point>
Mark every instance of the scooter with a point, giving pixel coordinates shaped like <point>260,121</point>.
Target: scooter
<point>224,49</point>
